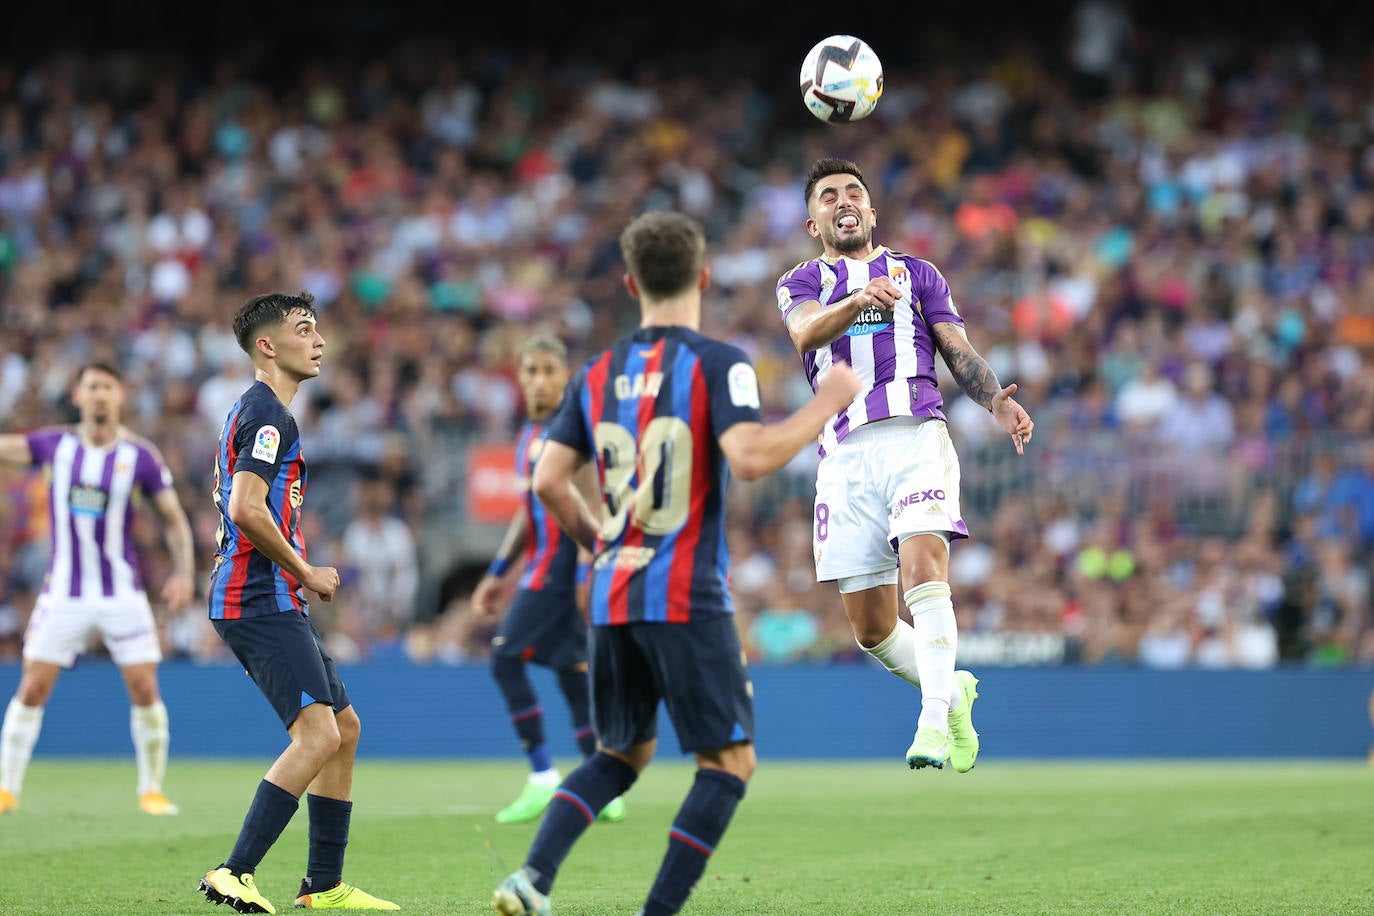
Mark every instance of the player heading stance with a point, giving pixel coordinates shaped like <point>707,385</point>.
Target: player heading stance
<point>258,607</point>
<point>94,470</point>
<point>661,414</point>
<point>889,477</point>
<point>544,624</point>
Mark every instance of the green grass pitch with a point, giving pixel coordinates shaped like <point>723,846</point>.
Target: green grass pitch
<point>811,838</point>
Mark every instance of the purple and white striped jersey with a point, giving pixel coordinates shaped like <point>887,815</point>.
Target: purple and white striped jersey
<point>892,353</point>
<point>90,491</point>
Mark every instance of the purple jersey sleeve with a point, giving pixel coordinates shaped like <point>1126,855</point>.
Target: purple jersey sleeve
<point>932,291</point>
<point>733,387</point>
<point>42,444</point>
<point>263,435</point>
<point>151,474</point>
<point>569,424</point>
<point>800,284</point>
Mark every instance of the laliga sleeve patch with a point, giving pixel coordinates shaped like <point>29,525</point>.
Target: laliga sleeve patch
<point>744,385</point>
<point>265,444</point>
<point>784,298</point>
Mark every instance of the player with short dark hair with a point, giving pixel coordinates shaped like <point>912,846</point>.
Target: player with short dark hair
<point>258,607</point>
<point>665,415</point>
<point>887,488</point>
<point>95,471</point>
<point>543,624</point>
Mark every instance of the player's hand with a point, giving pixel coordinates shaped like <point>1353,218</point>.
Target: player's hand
<point>880,292</point>
<point>486,598</point>
<point>839,387</point>
<point>322,580</point>
<point>178,592</point>
<point>1013,418</point>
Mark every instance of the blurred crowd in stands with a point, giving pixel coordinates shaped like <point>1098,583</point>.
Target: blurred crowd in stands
<point>1168,243</point>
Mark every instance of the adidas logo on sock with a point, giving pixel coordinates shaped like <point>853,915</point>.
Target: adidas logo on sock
<point>939,642</point>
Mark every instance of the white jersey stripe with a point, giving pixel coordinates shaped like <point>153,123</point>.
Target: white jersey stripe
<point>92,469</point>
<point>121,486</point>
<point>60,569</point>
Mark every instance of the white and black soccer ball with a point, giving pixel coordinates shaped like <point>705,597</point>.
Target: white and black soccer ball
<point>841,79</point>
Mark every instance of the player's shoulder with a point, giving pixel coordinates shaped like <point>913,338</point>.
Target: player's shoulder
<point>796,271</point>
<point>919,267</point>
<point>141,443</point>
<point>51,433</point>
<point>712,351</point>
<point>260,404</point>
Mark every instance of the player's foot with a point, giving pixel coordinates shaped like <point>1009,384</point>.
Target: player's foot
<point>531,803</point>
<point>614,812</point>
<point>157,803</point>
<point>343,897</point>
<point>929,749</point>
<point>517,897</point>
<point>223,886</point>
<point>963,740</point>
<point>8,801</point>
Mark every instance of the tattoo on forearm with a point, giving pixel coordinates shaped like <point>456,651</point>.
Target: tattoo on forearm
<point>970,370</point>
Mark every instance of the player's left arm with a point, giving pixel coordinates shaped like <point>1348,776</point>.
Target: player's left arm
<point>980,383</point>
<point>181,585</point>
<point>555,484</point>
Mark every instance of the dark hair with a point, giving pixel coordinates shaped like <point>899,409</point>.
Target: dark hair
<point>824,168</point>
<point>98,366</point>
<point>663,252</point>
<point>268,309</point>
<point>544,343</point>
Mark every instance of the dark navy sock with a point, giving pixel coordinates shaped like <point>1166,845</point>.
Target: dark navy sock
<point>576,689</point>
<point>575,805</point>
<point>272,809</point>
<point>697,829</point>
<point>525,712</point>
<point>329,819</point>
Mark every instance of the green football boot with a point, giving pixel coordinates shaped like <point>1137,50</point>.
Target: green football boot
<point>963,739</point>
<point>929,749</point>
<point>614,812</point>
<point>531,803</point>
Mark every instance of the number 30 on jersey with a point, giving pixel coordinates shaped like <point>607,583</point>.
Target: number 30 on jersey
<point>662,463</point>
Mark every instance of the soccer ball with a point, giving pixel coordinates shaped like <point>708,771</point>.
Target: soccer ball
<point>841,79</point>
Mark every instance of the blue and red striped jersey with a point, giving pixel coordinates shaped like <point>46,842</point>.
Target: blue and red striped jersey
<point>650,412</point>
<point>550,555</point>
<point>259,436</point>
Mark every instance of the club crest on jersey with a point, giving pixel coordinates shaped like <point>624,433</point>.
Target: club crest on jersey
<point>297,495</point>
<point>265,443</point>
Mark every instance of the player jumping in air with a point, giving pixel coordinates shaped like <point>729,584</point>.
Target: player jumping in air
<point>258,607</point>
<point>887,489</point>
<point>544,624</point>
<point>94,472</point>
<point>664,415</point>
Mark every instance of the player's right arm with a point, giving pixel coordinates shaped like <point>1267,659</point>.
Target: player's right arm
<point>756,449</point>
<point>555,484</point>
<point>486,598</point>
<point>813,325</point>
<point>248,511</point>
<point>14,449</point>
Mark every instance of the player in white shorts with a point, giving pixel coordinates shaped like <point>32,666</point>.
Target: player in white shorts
<point>94,470</point>
<point>887,489</point>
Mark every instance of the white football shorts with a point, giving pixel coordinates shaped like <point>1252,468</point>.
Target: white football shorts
<point>60,629</point>
<point>884,483</point>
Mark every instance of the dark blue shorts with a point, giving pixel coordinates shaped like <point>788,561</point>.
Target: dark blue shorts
<point>544,627</point>
<point>285,656</point>
<point>696,668</point>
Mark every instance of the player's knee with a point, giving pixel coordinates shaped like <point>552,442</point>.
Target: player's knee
<point>350,727</point>
<point>507,669</point>
<point>33,693</point>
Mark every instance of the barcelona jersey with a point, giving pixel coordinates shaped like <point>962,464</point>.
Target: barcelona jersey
<point>259,436</point>
<point>550,555</point>
<point>650,412</point>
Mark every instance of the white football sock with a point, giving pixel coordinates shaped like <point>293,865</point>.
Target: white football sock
<point>937,638</point>
<point>548,777</point>
<point>17,738</point>
<point>148,725</point>
<point>898,652</point>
